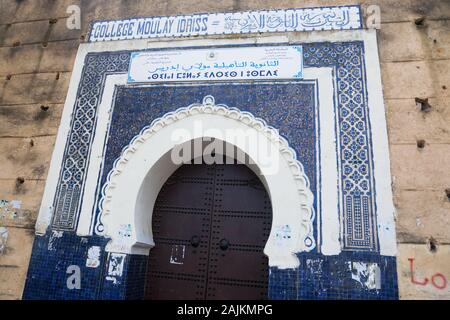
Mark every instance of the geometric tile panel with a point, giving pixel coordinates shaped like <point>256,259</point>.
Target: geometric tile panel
<point>357,198</point>
<point>72,176</point>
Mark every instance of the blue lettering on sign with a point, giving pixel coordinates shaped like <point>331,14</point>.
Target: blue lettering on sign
<point>282,62</point>
<point>156,26</point>
<point>308,19</point>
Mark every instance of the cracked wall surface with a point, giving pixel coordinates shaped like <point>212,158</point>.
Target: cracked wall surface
<point>37,53</point>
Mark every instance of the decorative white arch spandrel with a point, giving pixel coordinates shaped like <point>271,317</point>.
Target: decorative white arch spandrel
<point>139,173</point>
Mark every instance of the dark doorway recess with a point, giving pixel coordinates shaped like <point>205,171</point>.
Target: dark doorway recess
<point>210,226</point>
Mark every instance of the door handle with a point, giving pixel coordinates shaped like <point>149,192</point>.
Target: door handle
<point>223,244</point>
<point>195,241</point>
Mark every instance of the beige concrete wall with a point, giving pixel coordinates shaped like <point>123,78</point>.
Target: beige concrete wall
<point>36,58</point>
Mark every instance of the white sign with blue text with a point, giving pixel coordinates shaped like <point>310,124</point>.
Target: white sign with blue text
<point>271,62</point>
<point>280,20</point>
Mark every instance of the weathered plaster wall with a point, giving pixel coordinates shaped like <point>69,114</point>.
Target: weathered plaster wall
<point>37,53</point>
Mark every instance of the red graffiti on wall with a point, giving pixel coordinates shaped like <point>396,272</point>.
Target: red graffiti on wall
<point>438,280</point>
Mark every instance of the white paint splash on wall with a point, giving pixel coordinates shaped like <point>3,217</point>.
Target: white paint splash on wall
<point>113,279</point>
<point>125,231</point>
<point>177,254</point>
<point>283,235</point>
<point>116,262</point>
<point>367,274</point>
<point>3,239</point>
<point>16,204</point>
<point>9,209</point>
<point>93,258</point>
<point>314,265</point>
<point>51,242</point>
<point>115,268</point>
<point>419,222</point>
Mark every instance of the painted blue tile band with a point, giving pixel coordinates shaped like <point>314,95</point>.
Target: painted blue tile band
<point>318,276</point>
<point>51,257</point>
<point>322,277</point>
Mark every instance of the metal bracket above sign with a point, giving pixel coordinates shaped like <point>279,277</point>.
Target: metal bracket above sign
<point>270,62</point>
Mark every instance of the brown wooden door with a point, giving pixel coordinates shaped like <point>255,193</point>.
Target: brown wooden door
<point>210,225</point>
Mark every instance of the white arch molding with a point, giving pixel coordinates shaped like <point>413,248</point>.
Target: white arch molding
<point>138,174</point>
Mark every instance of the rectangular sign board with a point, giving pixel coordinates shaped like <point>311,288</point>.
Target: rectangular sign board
<point>281,20</point>
<point>271,62</point>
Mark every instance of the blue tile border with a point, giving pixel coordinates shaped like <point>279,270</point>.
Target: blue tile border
<point>318,277</point>
<point>322,277</point>
<point>52,256</point>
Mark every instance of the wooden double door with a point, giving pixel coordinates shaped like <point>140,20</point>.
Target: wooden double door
<point>210,226</point>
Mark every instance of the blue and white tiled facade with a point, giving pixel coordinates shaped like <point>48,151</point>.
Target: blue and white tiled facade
<point>360,270</point>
